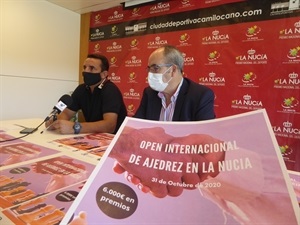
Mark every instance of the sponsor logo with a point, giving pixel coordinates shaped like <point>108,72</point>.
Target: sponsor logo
<point>97,18</point>
<point>114,31</point>
<point>188,60</point>
<point>97,47</point>
<point>131,94</point>
<point>113,61</point>
<point>290,104</point>
<point>246,103</point>
<point>157,42</point>
<point>115,78</point>
<point>134,44</point>
<point>290,32</point>
<point>185,4</point>
<point>130,110</point>
<point>183,39</point>
<point>291,81</point>
<point>115,47</point>
<point>133,62</point>
<point>212,80</point>
<point>252,57</point>
<point>97,35</point>
<point>160,7</point>
<point>248,79</point>
<point>287,130</point>
<point>293,55</point>
<point>139,27</point>
<point>115,17</point>
<point>252,33</point>
<point>215,38</point>
<point>281,8</point>
<point>213,58</point>
<point>132,77</point>
<point>136,12</point>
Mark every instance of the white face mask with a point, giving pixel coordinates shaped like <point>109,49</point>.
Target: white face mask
<point>155,81</point>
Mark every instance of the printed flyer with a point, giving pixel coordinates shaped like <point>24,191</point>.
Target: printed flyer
<point>222,171</point>
<point>295,179</point>
<point>23,151</point>
<point>4,136</point>
<point>44,209</point>
<point>41,192</point>
<point>94,144</point>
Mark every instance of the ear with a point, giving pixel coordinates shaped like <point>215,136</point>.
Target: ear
<point>174,68</point>
<point>104,74</point>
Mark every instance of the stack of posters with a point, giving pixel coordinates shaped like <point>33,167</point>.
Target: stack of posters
<point>39,180</point>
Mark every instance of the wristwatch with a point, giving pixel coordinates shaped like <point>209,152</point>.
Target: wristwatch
<point>77,127</point>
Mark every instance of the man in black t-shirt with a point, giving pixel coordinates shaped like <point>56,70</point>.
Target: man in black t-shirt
<point>99,99</point>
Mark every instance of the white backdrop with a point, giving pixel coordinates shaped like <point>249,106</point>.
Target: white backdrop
<point>39,57</point>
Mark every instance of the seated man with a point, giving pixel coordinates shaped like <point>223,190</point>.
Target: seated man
<point>172,97</point>
<point>99,99</point>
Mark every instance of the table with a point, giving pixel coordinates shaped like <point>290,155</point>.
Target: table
<point>42,173</point>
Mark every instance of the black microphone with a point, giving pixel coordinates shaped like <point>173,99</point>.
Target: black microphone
<point>63,102</point>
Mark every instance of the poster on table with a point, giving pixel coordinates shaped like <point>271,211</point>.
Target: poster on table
<point>13,153</point>
<point>42,191</point>
<point>222,171</point>
<point>94,144</point>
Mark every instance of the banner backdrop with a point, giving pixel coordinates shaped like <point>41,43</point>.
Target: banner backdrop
<point>248,52</point>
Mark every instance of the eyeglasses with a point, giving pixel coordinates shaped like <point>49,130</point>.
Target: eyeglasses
<point>154,68</point>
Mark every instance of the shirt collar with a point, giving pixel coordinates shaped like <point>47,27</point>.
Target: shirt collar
<point>173,97</point>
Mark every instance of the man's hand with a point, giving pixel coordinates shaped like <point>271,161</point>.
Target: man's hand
<point>63,126</point>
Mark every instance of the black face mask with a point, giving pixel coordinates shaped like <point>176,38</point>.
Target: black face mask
<point>91,78</point>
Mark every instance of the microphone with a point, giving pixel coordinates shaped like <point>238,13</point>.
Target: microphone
<point>100,86</point>
<point>63,102</point>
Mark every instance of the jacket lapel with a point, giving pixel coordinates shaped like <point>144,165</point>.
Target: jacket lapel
<point>156,110</point>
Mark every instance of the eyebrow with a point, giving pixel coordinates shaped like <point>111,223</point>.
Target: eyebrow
<point>161,64</point>
<point>153,65</point>
<point>88,66</point>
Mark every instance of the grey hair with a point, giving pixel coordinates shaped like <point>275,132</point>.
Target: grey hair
<point>173,56</point>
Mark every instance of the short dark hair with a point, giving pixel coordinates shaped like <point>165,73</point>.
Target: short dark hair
<point>104,60</point>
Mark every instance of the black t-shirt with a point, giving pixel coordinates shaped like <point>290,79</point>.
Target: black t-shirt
<point>94,105</point>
